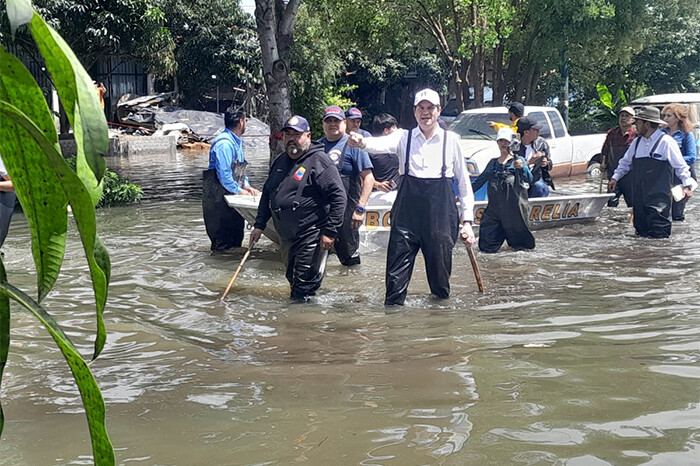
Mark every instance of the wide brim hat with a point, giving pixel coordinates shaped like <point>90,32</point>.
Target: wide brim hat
<point>648,113</point>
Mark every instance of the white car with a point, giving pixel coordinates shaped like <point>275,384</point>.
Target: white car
<point>570,154</point>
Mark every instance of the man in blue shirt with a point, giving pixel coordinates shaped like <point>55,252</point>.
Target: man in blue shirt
<point>353,119</point>
<point>355,169</point>
<point>226,175</point>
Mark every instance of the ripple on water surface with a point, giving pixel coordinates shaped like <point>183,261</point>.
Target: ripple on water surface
<point>583,351</point>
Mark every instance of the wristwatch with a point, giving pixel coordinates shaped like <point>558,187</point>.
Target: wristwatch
<point>360,209</point>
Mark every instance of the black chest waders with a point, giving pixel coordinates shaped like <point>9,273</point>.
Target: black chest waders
<point>223,224</point>
<point>301,248</point>
<point>424,217</point>
<point>505,216</point>
<point>7,207</point>
<point>652,182</point>
<point>347,243</point>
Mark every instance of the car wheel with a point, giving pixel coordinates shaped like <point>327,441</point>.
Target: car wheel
<point>593,170</point>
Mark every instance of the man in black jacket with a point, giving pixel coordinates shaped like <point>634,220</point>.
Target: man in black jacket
<point>305,198</point>
<point>535,150</point>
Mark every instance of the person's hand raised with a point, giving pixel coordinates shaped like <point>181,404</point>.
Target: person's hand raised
<point>356,140</point>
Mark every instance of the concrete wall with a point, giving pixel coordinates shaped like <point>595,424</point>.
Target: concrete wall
<point>128,146</point>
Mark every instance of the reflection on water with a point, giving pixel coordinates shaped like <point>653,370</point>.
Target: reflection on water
<point>582,352</point>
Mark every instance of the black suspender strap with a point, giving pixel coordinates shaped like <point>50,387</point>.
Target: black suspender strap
<point>408,150</point>
<point>656,144</point>
<point>444,153</point>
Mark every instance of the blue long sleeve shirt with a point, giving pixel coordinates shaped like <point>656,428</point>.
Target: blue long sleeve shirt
<point>686,142</point>
<point>226,149</point>
<point>494,167</point>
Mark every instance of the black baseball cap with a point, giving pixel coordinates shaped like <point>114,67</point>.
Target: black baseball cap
<point>527,123</point>
<point>297,123</point>
<point>517,109</point>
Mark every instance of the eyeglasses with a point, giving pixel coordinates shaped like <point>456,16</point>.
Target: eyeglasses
<point>667,115</point>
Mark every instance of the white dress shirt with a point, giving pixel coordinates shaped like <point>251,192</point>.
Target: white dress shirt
<point>426,159</point>
<point>667,151</point>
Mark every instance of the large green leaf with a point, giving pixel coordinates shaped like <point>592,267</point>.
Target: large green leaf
<point>36,183</point>
<point>80,101</point>
<point>102,449</point>
<point>4,332</point>
<point>83,213</point>
<point>605,95</point>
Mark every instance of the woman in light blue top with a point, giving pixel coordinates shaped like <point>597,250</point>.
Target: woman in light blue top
<point>681,129</point>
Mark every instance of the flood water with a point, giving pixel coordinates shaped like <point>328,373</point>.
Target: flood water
<point>583,352</point>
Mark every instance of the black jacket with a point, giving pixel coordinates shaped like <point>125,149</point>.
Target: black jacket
<point>319,202</point>
<point>538,172</point>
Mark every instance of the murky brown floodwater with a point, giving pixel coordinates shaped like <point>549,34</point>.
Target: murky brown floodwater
<point>583,352</point>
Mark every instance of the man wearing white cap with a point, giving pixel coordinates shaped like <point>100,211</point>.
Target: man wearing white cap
<point>652,158</point>
<point>424,216</point>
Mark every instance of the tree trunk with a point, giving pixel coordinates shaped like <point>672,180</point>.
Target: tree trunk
<point>511,75</point>
<point>499,84</point>
<point>477,76</point>
<point>275,24</point>
<point>532,80</point>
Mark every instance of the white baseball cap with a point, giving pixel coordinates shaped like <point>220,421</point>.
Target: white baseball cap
<point>505,133</point>
<point>427,94</point>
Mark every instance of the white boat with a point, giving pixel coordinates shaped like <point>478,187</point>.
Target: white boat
<point>544,212</point>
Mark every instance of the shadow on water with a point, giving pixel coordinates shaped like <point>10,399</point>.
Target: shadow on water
<point>584,351</point>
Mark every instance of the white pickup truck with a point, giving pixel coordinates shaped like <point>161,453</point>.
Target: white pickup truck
<point>570,154</point>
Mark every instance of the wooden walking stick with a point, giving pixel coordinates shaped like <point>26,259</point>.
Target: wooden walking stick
<point>235,275</point>
<point>475,266</point>
<point>603,168</point>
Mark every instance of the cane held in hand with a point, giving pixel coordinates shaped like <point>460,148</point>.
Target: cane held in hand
<point>235,275</point>
<point>475,266</point>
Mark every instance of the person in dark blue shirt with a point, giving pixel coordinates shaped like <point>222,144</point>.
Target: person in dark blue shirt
<point>353,118</point>
<point>505,216</point>
<point>355,169</point>
<point>226,175</point>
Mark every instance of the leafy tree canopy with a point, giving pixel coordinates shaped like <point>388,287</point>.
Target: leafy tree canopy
<point>213,38</point>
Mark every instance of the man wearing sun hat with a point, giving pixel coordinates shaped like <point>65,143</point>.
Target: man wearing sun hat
<point>652,159</point>
<point>305,198</point>
<point>424,216</point>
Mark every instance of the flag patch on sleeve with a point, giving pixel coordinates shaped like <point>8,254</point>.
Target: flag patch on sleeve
<point>299,174</point>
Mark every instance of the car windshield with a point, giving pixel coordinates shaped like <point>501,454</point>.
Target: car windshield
<point>476,126</point>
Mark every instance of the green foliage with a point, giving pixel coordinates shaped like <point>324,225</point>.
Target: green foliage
<point>116,190</point>
<point>119,191</point>
<point>99,28</point>
<point>315,67</point>
<point>213,38</point>
<point>606,115</point>
<point>46,185</point>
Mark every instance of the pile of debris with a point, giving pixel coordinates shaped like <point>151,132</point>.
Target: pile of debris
<point>156,116</point>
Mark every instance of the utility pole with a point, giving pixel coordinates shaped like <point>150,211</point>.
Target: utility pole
<point>565,75</point>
